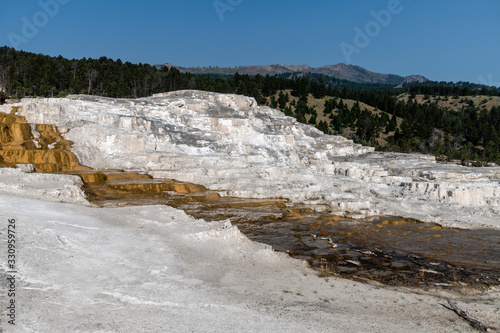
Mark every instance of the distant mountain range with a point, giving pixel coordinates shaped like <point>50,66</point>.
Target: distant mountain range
<point>340,71</point>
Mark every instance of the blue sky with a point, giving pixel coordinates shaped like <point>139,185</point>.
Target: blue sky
<point>451,40</point>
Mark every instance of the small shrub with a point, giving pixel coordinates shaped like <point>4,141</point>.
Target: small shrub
<point>324,271</point>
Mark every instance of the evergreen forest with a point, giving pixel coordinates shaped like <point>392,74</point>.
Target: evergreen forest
<point>453,121</point>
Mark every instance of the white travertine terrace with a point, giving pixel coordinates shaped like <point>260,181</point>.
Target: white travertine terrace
<point>228,143</point>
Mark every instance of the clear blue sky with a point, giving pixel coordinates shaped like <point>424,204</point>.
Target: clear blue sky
<point>451,40</point>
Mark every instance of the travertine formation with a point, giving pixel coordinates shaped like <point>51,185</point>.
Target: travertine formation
<point>34,147</point>
<point>228,143</point>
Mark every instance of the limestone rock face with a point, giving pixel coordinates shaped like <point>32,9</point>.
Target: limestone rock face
<point>228,143</point>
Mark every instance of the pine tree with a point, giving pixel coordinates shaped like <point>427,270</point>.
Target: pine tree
<point>274,103</point>
<point>323,126</point>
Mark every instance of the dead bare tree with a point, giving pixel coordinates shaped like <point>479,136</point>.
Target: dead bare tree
<point>91,76</point>
<point>473,322</point>
<point>3,80</point>
<point>75,68</point>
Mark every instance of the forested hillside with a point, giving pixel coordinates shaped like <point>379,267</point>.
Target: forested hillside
<point>453,121</point>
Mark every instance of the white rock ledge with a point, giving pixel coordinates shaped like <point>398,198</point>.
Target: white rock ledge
<point>50,187</point>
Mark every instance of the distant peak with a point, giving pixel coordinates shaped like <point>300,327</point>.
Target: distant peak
<point>341,71</point>
<point>415,78</point>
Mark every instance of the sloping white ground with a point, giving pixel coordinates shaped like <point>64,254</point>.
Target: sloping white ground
<point>154,269</point>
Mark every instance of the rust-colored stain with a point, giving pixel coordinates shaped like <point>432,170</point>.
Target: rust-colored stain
<point>391,222</point>
<point>47,152</point>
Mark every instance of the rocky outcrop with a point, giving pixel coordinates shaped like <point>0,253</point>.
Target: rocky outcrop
<point>414,78</point>
<point>228,143</point>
